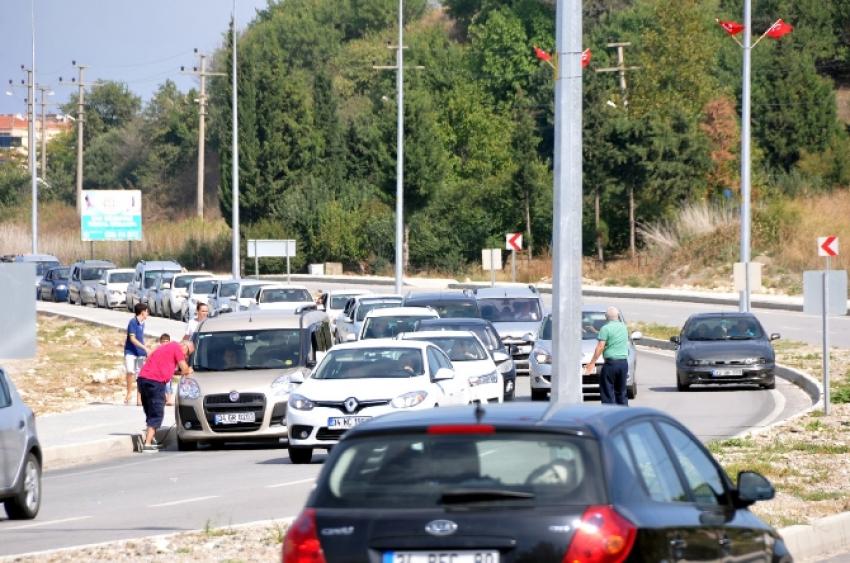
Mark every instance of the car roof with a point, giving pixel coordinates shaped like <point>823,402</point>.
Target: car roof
<point>383,343</point>
<point>208,274</point>
<point>161,265</point>
<point>458,295</point>
<point>594,420</point>
<point>244,282</point>
<point>349,291</point>
<point>261,320</point>
<point>120,270</point>
<point>401,312</point>
<point>285,286</point>
<point>720,314</point>
<point>459,321</point>
<point>378,296</point>
<point>36,258</point>
<point>506,291</point>
<point>423,334</point>
<point>95,263</point>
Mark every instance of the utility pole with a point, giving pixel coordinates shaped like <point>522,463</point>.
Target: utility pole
<point>45,91</point>
<point>81,118</point>
<point>235,244</point>
<point>201,72</point>
<point>621,68</point>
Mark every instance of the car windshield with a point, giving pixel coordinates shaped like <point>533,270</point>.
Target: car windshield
<point>478,330</point>
<point>591,322</point>
<point>42,267</point>
<point>166,278</point>
<point>151,276</point>
<point>182,282</point>
<point>61,274</point>
<point>723,328</point>
<point>388,327</point>
<point>338,301</point>
<point>430,471</point>
<point>284,295</point>
<point>249,291</point>
<point>363,363</point>
<point>366,306</point>
<point>203,286</point>
<point>510,310</point>
<point>456,309</point>
<point>458,348</point>
<point>89,274</point>
<point>228,289</point>
<point>120,277</point>
<point>247,349</point>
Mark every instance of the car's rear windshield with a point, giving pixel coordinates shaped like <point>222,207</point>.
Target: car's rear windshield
<point>723,328</point>
<point>510,310</point>
<point>88,274</point>
<point>456,309</point>
<point>250,291</point>
<point>204,286</point>
<point>247,349</point>
<point>366,306</point>
<point>458,348</point>
<point>284,295</point>
<point>339,301</point>
<point>478,330</point>
<point>228,289</point>
<point>389,327</point>
<point>479,471</point>
<point>120,277</point>
<point>365,363</point>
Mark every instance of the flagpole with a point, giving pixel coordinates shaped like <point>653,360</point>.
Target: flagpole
<point>765,33</point>
<point>745,158</point>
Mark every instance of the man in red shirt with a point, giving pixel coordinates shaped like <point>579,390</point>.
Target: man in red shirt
<point>153,379</point>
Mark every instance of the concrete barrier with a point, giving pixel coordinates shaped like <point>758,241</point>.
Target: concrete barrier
<point>820,539</point>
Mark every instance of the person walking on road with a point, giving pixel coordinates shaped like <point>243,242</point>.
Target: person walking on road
<point>153,379</point>
<point>202,311</point>
<point>613,346</point>
<point>135,350</point>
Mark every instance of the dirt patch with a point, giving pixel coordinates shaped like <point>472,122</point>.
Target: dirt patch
<point>77,364</point>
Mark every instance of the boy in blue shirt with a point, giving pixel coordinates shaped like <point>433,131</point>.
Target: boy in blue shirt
<point>135,350</point>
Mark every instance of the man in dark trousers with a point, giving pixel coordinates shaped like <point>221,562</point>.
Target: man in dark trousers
<point>153,379</point>
<point>613,345</point>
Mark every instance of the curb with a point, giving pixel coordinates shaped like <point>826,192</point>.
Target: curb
<point>827,535</point>
<point>59,457</point>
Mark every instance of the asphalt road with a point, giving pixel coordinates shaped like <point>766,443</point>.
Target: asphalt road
<point>150,494</point>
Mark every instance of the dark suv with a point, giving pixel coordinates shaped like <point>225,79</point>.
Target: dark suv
<point>454,304</point>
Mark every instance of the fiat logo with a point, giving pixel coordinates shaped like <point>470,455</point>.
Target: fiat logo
<point>350,404</point>
<point>234,396</point>
<point>441,527</point>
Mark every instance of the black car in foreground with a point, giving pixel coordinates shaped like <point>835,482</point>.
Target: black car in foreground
<point>529,483</point>
<point>724,348</point>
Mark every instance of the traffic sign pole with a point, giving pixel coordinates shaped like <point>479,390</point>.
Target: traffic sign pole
<point>513,265</point>
<point>825,319</point>
<point>492,267</point>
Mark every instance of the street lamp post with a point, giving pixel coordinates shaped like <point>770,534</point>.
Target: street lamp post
<point>235,267</point>
<point>745,158</point>
<point>399,166</point>
<point>32,143</point>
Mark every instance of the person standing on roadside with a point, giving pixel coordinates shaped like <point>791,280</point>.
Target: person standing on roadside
<point>613,346</point>
<point>135,350</point>
<point>202,311</point>
<point>153,379</point>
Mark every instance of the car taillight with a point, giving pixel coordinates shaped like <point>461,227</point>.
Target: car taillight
<point>602,536</point>
<point>461,429</point>
<point>301,544</point>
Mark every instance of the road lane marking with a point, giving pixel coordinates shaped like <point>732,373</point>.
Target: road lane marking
<point>288,483</point>
<point>47,523</point>
<point>184,501</point>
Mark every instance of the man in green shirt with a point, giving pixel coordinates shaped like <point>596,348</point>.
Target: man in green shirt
<point>613,346</point>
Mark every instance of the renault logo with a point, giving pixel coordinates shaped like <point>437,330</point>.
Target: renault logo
<point>234,396</point>
<point>441,527</point>
<point>350,404</point>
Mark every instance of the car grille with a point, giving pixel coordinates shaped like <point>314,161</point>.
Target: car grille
<point>339,405</point>
<point>247,402</point>
<point>325,433</point>
<point>520,351</point>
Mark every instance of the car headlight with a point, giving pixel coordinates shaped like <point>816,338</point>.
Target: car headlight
<point>408,400</point>
<point>282,386</point>
<point>300,402</point>
<point>189,388</point>
<point>752,361</point>
<point>693,362</point>
<point>482,379</point>
<point>543,357</point>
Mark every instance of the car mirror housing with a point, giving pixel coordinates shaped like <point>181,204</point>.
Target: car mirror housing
<point>500,357</point>
<point>101,282</point>
<point>350,337</point>
<point>775,336</point>
<point>637,335</point>
<point>753,487</point>
<point>444,374</point>
<point>296,377</point>
<point>675,340</point>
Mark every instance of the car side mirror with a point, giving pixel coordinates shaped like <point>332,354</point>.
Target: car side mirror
<point>443,374</point>
<point>752,487</point>
<point>350,337</point>
<point>675,340</point>
<point>296,377</point>
<point>775,336</point>
<point>500,357</point>
<point>101,282</point>
<point>166,285</point>
<point>637,335</point>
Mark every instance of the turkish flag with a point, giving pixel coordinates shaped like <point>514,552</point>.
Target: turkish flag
<point>541,54</point>
<point>730,27</point>
<point>585,58</point>
<point>779,29</point>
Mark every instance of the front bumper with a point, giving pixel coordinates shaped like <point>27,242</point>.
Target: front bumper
<point>541,378</point>
<point>520,351</point>
<point>60,294</point>
<point>695,375</point>
<point>116,299</point>
<point>196,418</point>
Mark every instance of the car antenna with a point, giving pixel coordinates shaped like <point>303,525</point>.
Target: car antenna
<point>479,413</point>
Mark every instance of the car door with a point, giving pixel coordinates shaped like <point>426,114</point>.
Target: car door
<point>11,433</point>
<point>345,323</point>
<point>451,388</point>
<point>44,284</point>
<point>672,526</point>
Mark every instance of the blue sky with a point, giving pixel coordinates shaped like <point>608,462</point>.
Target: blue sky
<point>140,42</point>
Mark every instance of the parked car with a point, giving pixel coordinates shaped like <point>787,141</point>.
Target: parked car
<point>200,291</point>
<point>82,281</point>
<point>146,272</point>
<point>20,459</point>
<point>333,302</point>
<point>528,482</point>
<point>174,296</point>
<point>222,301</point>
<point>54,285</point>
<point>360,380</point>
<point>516,313</point>
<point>724,348</point>
<point>245,366</point>
<point>43,263</point>
<point>283,297</point>
<point>111,289</point>
<point>592,319</point>
<point>454,304</point>
<point>247,294</point>
<point>486,332</point>
<point>156,293</point>
<point>389,322</point>
<point>470,361</point>
<point>348,322</point>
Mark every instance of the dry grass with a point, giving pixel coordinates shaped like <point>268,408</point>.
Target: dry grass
<point>821,215</point>
<point>59,234</point>
<point>695,220</point>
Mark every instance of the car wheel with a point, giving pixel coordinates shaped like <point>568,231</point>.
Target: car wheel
<point>682,386</point>
<point>770,384</point>
<point>538,394</point>
<point>631,392</point>
<point>300,455</point>
<point>26,502</point>
<point>186,445</point>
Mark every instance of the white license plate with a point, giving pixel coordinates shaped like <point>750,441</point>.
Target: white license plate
<point>441,557</point>
<point>727,372</point>
<point>234,418</point>
<point>337,422</point>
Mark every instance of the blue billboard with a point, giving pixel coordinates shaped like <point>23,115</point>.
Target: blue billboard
<point>111,215</point>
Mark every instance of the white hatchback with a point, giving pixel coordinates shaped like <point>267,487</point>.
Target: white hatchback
<point>360,380</point>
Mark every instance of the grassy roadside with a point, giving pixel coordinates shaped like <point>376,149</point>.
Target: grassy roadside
<point>806,459</point>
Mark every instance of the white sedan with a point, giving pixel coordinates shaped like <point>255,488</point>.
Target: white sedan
<point>360,380</point>
<point>470,360</point>
<point>282,297</point>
